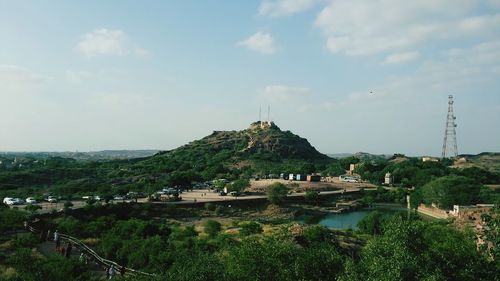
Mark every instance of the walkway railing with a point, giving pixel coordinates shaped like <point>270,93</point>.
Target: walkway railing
<point>93,255</point>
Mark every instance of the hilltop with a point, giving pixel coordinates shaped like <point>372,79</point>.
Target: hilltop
<point>259,141</point>
<point>261,148</point>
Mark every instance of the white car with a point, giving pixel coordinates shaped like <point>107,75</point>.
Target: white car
<point>13,201</point>
<point>51,199</point>
<point>30,200</point>
<point>118,197</point>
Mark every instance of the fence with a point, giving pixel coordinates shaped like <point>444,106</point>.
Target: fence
<point>93,255</point>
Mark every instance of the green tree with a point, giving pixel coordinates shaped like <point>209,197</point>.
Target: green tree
<point>238,185</point>
<point>372,223</point>
<point>32,208</point>
<point>418,250</point>
<point>311,195</point>
<point>212,228</point>
<point>451,190</point>
<point>277,192</point>
<point>318,234</point>
<point>249,227</point>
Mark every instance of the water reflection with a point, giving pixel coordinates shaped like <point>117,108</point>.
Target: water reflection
<point>347,219</point>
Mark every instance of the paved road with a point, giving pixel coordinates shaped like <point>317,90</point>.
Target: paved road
<point>188,197</point>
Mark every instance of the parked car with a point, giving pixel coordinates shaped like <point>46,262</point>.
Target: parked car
<point>13,201</point>
<point>30,200</point>
<point>51,199</point>
<point>118,197</point>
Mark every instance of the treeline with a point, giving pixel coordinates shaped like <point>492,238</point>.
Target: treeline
<point>413,172</point>
<point>396,248</point>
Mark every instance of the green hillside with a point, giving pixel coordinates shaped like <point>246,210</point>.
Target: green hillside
<point>261,149</point>
<point>487,160</point>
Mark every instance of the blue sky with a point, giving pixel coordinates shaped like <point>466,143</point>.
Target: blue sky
<point>99,75</point>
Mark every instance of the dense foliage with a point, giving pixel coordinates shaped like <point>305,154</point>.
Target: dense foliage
<point>417,250</point>
<point>403,248</point>
<point>450,190</point>
<point>277,192</point>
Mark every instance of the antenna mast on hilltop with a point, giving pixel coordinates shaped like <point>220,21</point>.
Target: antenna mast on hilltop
<point>450,134</point>
<point>260,114</point>
<point>268,114</point>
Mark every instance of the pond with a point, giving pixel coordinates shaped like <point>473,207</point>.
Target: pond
<point>348,219</point>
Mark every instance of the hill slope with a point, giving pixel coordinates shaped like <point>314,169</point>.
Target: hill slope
<point>262,148</point>
<point>486,160</point>
<point>259,140</point>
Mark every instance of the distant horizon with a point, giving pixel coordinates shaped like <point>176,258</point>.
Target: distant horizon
<point>159,150</point>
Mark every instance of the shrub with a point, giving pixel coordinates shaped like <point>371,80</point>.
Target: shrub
<point>212,228</point>
<point>250,227</point>
<point>277,192</point>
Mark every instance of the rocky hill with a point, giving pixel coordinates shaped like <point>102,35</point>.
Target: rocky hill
<point>261,148</point>
<point>262,140</point>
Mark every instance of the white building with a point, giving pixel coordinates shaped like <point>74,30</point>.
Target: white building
<point>388,179</point>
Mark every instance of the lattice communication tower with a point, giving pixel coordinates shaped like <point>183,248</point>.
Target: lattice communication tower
<point>450,149</point>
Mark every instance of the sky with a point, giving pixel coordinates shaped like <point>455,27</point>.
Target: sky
<point>356,75</point>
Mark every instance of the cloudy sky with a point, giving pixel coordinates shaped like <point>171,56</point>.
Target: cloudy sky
<point>156,74</point>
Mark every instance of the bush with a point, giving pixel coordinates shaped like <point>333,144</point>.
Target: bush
<point>451,190</point>
<point>212,228</point>
<point>277,192</point>
<point>25,241</point>
<point>250,227</point>
<point>372,223</point>
<point>311,195</point>
<point>318,234</point>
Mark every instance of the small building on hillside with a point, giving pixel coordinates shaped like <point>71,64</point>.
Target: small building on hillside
<point>352,167</point>
<point>388,179</point>
<point>301,177</point>
<point>429,159</point>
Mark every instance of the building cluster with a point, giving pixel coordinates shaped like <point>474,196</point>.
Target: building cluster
<point>300,177</point>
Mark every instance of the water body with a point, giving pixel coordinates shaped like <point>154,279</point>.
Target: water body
<point>347,219</point>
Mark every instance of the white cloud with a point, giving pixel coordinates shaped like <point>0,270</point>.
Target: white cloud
<point>480,23</point>
<point>262,42</point>
<point>364,27</point>
<point>401,57</point>
<point>108,42</point>
<point>276,8</point>
<point>456,71</point>
<point>14,78</point>
<point>283,93</point>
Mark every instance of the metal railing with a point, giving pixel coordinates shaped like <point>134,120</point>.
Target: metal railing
<point>93,255</point>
